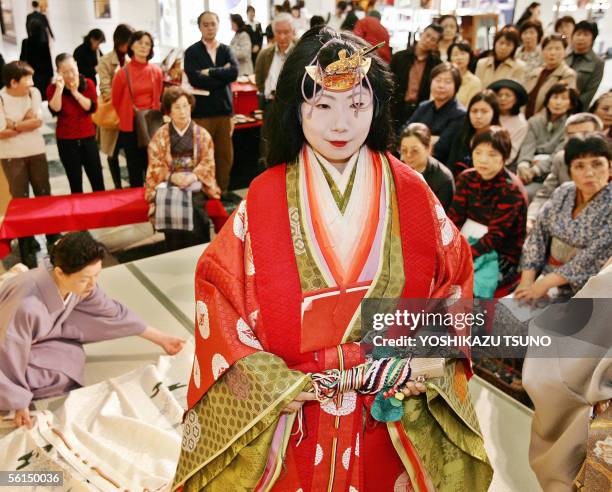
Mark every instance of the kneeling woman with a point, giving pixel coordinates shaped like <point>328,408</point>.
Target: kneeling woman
<point>45,317</point>
<point>490,204</point>
<point>181,154</point>
<point>572,236</point>
<point>333,219</point>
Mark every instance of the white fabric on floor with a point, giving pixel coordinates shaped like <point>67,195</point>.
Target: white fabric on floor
<point>123,433</point>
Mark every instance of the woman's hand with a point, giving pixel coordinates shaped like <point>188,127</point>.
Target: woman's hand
<point>172,345</point>
<point>296,404</point>
<point>525,172</point>
<point>414,388</point>
<point>537,290</point>
<point>183,180</point>
<point>22,417</point>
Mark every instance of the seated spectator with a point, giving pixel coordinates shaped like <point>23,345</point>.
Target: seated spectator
<point>371,29</point>
<point>554,71</point>
<point>443,114</point>
<point>450,36</point>
<point>490,204</point>
<point>602,107</point>
<point>501,64</point>
<point>580,124</point>
<point>460,54</point>
<point>565,26</point>
<point>545,136</point>
<point>511,96</point>
<point>588,66</point>
<point>482,113</point>
<point>412,70</point>
<point>241,45</point>
<point>87,55</point>
<point>530,52</point>
<point>47,314</point>
<point>72,98</point>
<point>181,154</point>
<point>415,150</point>
<point>22,148</point>
<point>572,236</point>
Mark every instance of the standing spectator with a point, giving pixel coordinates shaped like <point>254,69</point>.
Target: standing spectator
<point>450,35</point>
<point>272,59</point>
<point>317,21</point>
<point>511,96</point>
<point>349,21</point>
<point>22,152</point>
<point>300,22</point>
<point>36,53</point>
<point>572,236</point>
<point>73,99</point>
<point>138,85</point>
<point>241,45</point>
<point>491,196</point>
<point>460,54</point>
<point>107,68</point>
<point>580,124</point>
<point>554,71</point>
<point>531,13</point>
<point>588,66</point>
<point>415,150</point>
<point>278,10</point>
<point>412,69</point>
<point>482,114</point>
<point>370,29</point>
<point>88,54</point>
<point>255,33</point>
<point>545,136</point>
<point>565,26</point>
<point>37,16</point>
<point>602,107</point>
<point>337,18</point>
<point>501,64</point>
<point>530,52</point>
<point>181,154</point>
<point>211,66</point>
<point>443,114</point>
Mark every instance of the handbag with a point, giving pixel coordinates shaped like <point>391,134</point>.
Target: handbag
<point>105,115</point>
<point>146,121</point>
<point>173,208</point>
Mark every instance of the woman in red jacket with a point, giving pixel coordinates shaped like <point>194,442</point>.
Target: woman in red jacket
<point>72,98</point>
<point>145,80</point>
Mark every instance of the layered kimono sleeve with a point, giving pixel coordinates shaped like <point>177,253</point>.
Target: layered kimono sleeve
<point>14,356</point>
<point>205,167</point>
<point>237,389</point>
<point>97,317</point>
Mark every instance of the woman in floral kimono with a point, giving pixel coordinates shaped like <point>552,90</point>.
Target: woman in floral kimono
<point>333,220</point>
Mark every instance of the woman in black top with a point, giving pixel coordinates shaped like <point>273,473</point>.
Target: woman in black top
<point>415,150</point>
<point>482,113</point>
<point>88,53</point>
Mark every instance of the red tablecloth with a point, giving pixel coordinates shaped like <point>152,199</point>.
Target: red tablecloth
<point>245,98</point>
<point>81,211</point>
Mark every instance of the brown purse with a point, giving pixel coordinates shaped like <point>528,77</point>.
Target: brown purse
<point>105,115</point>
<point>146,121</point>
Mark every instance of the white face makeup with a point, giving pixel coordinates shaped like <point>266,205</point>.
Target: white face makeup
<point>333,127</point>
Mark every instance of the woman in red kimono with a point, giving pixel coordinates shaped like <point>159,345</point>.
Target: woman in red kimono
<point>333,220</point>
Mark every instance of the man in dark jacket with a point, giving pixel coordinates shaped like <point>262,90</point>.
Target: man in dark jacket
<point>42,18</point>
<point>412,69</point>
<point>211,68</point>
<point>588,66</point>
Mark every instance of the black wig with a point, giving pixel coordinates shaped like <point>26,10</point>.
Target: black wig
<point>283,129</point>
